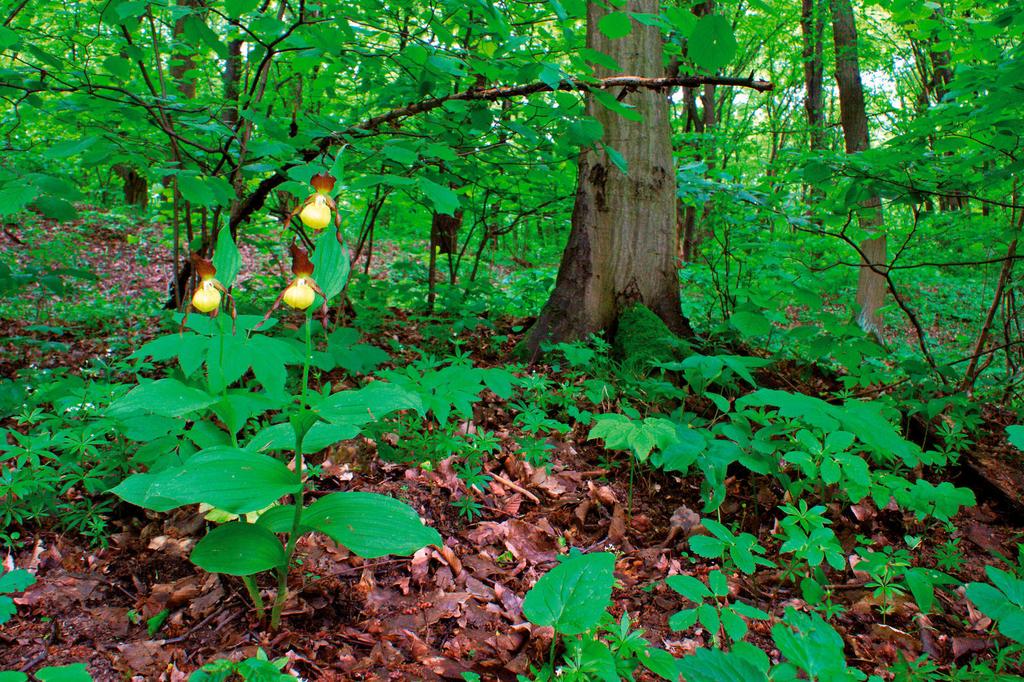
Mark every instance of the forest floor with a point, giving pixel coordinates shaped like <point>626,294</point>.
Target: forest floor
<point>458,608</point>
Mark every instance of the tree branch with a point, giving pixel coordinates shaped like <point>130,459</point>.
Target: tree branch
<point>254,201</point>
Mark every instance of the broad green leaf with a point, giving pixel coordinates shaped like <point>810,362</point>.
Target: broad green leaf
<point>236,8</point>
<point>1015,434</point>
<point>615,25</point>
<point>712,44</point>
<point>370,525</point>
<point>238,548</point>
<point>715,665</point>
<point>226,258</point>
<point>237,481</point>
<point>1003,601</point>
<point>660,662</point>
<point>812,645</point>
<point>56,208</point>
<point>444,200</point>
<point>17,580</point>
<point>76,672</point>
<point>331,264</point>
<point>165,397</point>
<point>15,196</point>
<point>688,586</point>
<point>370,403</point>
<point>227,360</point>
<point>585,131</point>
<point>8,38</point>
<point>282,437</point>
<point>573,595</point>
<point>196,191</point>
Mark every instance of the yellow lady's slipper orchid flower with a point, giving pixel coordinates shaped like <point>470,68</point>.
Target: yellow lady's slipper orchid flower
<point>299,294</point>
<point>316,215</point>
<point>207,298</point>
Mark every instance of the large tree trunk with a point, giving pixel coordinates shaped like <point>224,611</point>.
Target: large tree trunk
<point>623,243</point>
<point>871,283</point>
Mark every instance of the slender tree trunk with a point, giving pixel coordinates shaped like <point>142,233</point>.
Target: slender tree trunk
<point>182,61</point>
<point>871,284</point>
<point>698,120</point>
<point>623,244</point>
<point>812,26</point>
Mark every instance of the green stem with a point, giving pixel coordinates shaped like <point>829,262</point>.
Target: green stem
<point>293,534</point>
<point>255,596</point>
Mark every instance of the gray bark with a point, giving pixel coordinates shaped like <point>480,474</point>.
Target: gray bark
<point>623,243</point>
<point>871,283</point>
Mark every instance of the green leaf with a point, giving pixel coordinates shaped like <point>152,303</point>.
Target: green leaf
<point>236,8</point>
<point>682,20</point>
<point>615,25</point>
<point>8,38</point>
<point>56,208</point>
<point>76,672</point>
<point>1015,434</point>
<point>688,586</point>
<point>712,44</point>
<point>585,131</point>
<point>370,403</point>
<point>619,160</point>
<point>196,190</point>
<point>715,665</point>
<point>165,397</point>
<point>282,437</point>
<point>611,103</point>
<point>1003,602</point>
<point>331,264</point>
<point>709,548</point>
<point>237,481</point>
<point>370,525</point>
<point>15,196</point>
<point>226,258</point>
<point>445,201</point>
<point>660,662</point>
<point>573,595</point>
<point>238,548</point>
<point>17,580</point>
<point>812,645</point>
